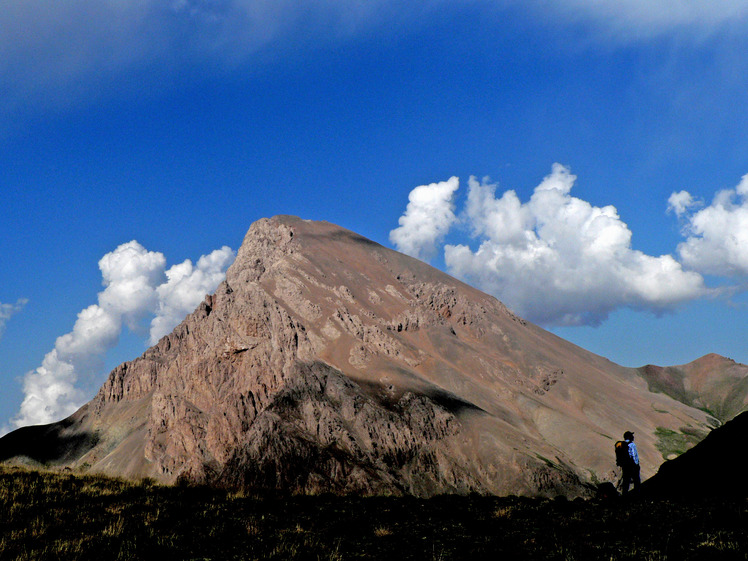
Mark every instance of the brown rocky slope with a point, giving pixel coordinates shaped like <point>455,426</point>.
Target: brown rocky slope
<point>716,384</point>
<point>326,362</point>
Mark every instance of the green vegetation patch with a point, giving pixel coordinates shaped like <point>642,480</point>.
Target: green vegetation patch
<point>670,442</point>
<point>546,461</point>
<point>593,477</point>
<point>659,410</point>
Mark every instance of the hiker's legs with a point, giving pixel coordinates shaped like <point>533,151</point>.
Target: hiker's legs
<point>626,481</point>
<point>636,477</point>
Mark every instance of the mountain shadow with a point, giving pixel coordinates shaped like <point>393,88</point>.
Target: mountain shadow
<point>56,443</point>
<point>714,467</point>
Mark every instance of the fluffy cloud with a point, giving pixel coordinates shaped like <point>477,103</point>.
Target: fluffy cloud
<point>185,288</point>
<point>9,310</point>
<point>136,286</point>
<point>129,274</point>
<point>681,202</point>
<point>427,219</point>
<point>716,235</point>
<point>558,260</point>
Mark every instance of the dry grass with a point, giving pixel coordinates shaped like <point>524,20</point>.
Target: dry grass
<point>503,512</point>
<point>382,531</point>
<point>47,516</point>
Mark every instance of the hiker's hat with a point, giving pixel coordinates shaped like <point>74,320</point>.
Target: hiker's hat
<point>628,434</point>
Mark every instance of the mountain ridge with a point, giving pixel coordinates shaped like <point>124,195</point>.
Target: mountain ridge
<point>713,383</point>
<point>327,362</point>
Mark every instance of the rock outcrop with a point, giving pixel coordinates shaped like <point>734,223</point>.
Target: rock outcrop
<point>326,362</point>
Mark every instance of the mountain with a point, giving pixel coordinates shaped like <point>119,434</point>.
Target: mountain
<point>716,384</point>
<point>714,467</point>
<point>326,362</point>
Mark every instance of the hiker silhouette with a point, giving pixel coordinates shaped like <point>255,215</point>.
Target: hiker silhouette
<point>627,457</point>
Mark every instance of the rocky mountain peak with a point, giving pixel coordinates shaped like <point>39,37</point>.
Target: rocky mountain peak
<point>327,362</point>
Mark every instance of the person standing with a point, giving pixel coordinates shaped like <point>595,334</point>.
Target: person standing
<point>631,469</point>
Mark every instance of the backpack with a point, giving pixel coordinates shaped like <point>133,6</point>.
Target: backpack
<point>622,453</point>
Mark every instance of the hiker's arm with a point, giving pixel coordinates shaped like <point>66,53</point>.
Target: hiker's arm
<point>633,453</point>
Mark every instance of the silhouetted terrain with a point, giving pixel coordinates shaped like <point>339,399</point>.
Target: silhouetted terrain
<point>46,516</point>
<point>717,466</point>
<point>54,443</point>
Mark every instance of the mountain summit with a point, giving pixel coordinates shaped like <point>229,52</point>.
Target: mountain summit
<point>326,362</point>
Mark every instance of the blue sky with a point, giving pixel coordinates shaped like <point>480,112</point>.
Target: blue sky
<point>607,142</point>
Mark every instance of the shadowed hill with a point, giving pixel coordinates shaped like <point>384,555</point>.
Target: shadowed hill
<point>714,467</point>
<point>57,442</point>
<point>326,362</point>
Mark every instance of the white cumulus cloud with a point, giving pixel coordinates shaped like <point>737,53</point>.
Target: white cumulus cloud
<point>136,286</point>
<point>558,260</point>
<point>129,274</point>
<point>427,219</point>
<point>681,202</point>
<point>9,310</point>
<point>185,288</point>
<point>717,235</point>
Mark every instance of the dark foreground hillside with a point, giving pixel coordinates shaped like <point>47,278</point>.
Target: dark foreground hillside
<point>72,516</point>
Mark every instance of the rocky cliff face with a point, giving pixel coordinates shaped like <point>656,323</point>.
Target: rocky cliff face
<point>326,362</point>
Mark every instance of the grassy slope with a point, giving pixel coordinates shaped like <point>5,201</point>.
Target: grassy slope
<point>72,516</point>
